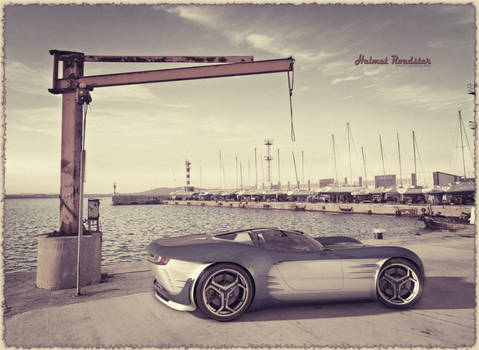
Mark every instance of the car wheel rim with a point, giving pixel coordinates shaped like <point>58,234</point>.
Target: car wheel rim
<point>225,292</point>
<point>398,284</point>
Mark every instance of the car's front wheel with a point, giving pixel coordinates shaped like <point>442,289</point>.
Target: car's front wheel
<point>224,292</point>
<point>399,284</point>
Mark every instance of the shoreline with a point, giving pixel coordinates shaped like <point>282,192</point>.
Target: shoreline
<point>414,210</point>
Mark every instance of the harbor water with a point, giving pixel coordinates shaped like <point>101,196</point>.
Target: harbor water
<point>127,230</point>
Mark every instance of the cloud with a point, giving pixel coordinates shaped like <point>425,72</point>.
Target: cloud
<point>348,78</point>
<point>15,68</point>
<point>422,96</point>
<point>206,16</point>
<point>37,116</point>
<point>124,93</point>
<point>435,44</point>
<point>261,41</point>
<point>336,68</point>
<point>254,36</point>
<point>370,72</point>
<point>34,130</point>
<point>277,46</point>
<point>25,79</point>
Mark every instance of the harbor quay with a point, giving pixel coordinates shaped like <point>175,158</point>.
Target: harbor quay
<point>122,310</point>
<point>357,208</point>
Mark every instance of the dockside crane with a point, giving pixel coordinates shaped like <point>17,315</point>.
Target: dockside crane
<point>75,89</point>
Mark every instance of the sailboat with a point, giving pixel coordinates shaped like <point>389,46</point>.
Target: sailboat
<point>465,220</point>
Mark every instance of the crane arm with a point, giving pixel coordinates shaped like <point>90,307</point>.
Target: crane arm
<point>175,74</point>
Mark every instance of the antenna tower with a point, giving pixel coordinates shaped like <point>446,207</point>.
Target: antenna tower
<point>188,168</point>
<point>268,143</point>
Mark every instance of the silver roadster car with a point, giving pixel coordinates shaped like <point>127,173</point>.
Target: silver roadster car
<point>225,274</point>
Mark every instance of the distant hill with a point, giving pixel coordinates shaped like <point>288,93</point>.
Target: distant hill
<point>31,195</point>
<point>156,192</point>
<point>160,191</point>
<point>48,195</point>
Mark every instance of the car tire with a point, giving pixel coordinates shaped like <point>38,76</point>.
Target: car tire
<point>224,292</point>
<point>399,284</point>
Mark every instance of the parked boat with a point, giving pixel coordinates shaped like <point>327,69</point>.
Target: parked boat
<point>439,222</point>
<point>347,209</point>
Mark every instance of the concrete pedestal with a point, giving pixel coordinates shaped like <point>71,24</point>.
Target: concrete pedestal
<point>57,261</point>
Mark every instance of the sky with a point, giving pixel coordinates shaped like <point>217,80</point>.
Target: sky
<point>139,136</point>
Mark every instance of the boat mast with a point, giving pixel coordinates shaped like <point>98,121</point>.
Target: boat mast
<point>400,168</point>
<point>236,158</point>
<point>256,167</point>
<point>279,176</point>
<point>364,166</point>
<point>262,172</point>
<point>224,177</point>
<point>462,144</point>
<point>414,149</point>
<point>334,156</point>
<point>302,162</point>
<point>382,155</point>
<point>220,173</point>
<point>348,130</point>
<point>295,171</point>
<point>241,174</point>
<point>249,175</point>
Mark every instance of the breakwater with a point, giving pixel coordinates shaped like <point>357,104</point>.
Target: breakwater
<point>126,199</point>
<point>348,208</point>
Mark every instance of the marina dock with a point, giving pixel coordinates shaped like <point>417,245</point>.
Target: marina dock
<point>122,311</point>
<point>351,208</point>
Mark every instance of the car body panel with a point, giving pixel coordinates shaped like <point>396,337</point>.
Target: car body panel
<point>174,282</point>
<point>310,275</point>
<point>342,269</point>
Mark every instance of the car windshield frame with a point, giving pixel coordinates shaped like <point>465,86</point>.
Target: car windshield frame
<point>309,242</point>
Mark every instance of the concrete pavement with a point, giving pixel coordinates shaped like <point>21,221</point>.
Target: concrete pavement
<point>123,312</point>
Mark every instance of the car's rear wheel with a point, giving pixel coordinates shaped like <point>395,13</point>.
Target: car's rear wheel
<point>399,284</point>
<point>224,292</point>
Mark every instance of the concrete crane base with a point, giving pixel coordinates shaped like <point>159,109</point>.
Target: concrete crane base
<point>57,261</point>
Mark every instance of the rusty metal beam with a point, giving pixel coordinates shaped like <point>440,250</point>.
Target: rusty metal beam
<point>70,153</point>
<point>175,74</point>
<point>169,59</point>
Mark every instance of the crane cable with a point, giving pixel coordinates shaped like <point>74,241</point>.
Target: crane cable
<point>290,87</point>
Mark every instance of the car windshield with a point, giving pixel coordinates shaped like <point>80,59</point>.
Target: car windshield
<point>286,241</point>
<point>242,237</point>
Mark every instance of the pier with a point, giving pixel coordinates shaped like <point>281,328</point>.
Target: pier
<point>122,311</point>
<point>350,208</point>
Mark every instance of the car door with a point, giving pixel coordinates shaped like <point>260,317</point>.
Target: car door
<point>311,271</point>
<point>301,266</point>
